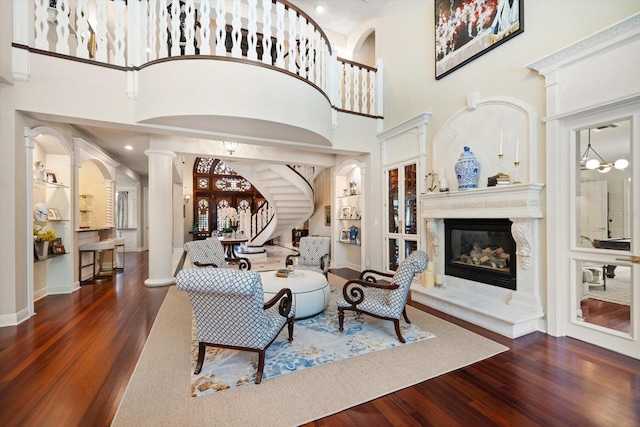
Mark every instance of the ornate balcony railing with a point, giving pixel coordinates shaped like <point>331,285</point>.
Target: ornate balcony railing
<point>130,35</point>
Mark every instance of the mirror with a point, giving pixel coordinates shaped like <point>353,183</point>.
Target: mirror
<point>604,212</point>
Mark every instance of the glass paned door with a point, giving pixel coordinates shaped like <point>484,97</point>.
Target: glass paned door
<point>604,300</point>
<point>402,213</point>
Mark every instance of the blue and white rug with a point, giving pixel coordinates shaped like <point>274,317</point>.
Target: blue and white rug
<point>316,341</point>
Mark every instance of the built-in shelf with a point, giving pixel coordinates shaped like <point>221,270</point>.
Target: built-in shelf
<point>49,257</point>
<point>349,243</point>
<point>49,184</point>
<point>349,196</point>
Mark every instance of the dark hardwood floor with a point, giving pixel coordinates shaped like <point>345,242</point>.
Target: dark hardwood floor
<point>70,364</point>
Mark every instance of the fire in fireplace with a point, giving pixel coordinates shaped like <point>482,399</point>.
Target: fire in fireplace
<point>482,250</point>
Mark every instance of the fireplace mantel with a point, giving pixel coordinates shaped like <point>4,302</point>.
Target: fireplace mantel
<point>510,313</point>
<point>509,201</point>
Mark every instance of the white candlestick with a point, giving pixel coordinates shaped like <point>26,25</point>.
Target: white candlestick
<point>500,144</point>
<point>428,279</point>
<point>518,150</point>
<point>438,279</point>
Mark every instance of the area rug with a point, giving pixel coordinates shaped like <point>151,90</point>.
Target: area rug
<point>159,392</point>
<point>316,341</point>
<point>618,288</point>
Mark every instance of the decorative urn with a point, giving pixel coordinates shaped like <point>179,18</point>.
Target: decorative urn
<point>353,233</point>
<point>467,170</point>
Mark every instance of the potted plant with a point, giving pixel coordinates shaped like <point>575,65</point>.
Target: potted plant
<point>41,238</point>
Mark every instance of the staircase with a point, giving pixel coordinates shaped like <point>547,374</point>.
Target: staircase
<point>289,195</point>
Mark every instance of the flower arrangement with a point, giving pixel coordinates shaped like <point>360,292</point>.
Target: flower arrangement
<point>227,218</point>
<point>228,213</point>
<point>42,234</point>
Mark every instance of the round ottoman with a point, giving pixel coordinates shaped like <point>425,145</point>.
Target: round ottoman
<point>310,290</point>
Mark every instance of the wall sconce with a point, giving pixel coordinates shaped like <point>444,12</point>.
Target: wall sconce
<point>230,146</point>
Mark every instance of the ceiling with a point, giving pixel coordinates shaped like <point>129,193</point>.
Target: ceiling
<point>340,16</point>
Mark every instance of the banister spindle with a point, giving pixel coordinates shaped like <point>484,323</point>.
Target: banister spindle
<point>252,30</point>
<point>221,28</point>
<point>62,29</point>
<point>236,29</point>
<point>189,27</point>
<point>205,29</point>
<point>266,33</point>
<point>279,34</point>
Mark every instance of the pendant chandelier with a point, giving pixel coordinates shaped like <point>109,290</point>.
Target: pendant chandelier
<point>230,146</point>
<point>590,162</point>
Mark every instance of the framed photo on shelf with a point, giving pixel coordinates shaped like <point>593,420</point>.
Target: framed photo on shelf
<point>327,215</point>
<point>345,212</point>
<point>51,177</point>
<point>58,250</point>
<point>54,215</point>
<point>344,235</point>
<point>460,40</point>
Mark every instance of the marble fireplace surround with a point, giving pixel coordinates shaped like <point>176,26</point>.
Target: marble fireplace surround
<point>509,313</point>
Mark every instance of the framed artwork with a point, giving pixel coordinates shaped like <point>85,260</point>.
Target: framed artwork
<point>54,215</point>
<point>58,250</point>
<point>344,235</point>
<point>51,177</point>
<point>345,212</point>
<point>327,215</point>
<point>57,241</point>
<point>467,29</point>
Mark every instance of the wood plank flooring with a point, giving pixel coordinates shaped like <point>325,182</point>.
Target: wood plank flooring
<point>70,364</point>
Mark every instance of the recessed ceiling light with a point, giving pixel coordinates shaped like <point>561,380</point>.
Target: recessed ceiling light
<point>128,147</point>
<point>320,8</point>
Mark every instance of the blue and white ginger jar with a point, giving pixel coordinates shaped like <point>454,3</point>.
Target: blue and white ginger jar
<point>353,233</point>
<point>467,170</point>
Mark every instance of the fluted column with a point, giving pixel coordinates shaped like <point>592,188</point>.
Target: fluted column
<point>160,217</point>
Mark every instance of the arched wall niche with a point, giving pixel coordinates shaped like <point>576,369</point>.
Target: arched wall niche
<point>364,50</point>
<point>95,186</point>
<point>481,126</point>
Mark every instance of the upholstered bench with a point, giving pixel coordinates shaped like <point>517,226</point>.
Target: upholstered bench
<point>310,290</point>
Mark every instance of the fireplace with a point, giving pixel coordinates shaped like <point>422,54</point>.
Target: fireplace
<point>482,250</point>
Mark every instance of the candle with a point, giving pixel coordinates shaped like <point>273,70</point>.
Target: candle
<point>438,279</point>
<point>443,183</point>
<point>500,144</point>
<point>517,150</point>
<point>427,279</point>
<point>430,266</point>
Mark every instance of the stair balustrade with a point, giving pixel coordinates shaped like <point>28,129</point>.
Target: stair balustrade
<point>131,34</point>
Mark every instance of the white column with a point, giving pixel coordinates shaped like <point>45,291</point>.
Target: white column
<point>160,218</point>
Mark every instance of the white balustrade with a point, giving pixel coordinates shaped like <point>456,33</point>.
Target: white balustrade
<point>130,34</point>
<point>62,29</point>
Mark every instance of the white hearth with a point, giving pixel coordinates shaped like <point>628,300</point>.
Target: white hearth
<point>507,312</point>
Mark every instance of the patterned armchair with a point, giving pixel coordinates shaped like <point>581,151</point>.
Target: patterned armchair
<point>366,295</point>
<point>314,254</point>
<point>230,311</point>
<point>209,253</point>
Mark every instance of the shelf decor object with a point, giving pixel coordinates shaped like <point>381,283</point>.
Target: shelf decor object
<point>467,170</point>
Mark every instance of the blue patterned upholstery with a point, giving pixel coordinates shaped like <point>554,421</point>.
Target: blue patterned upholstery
<point>365,295</point>
<point>230,311</point>
<point>209,251</point>
<point>314,254</point>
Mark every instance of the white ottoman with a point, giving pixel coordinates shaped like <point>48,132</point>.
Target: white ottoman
<point>310,290</point>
